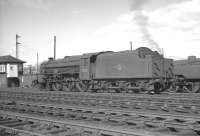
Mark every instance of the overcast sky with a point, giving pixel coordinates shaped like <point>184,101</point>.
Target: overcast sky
<point>83,26</point>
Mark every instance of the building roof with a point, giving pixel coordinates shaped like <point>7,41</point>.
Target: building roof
<point>10,59</point>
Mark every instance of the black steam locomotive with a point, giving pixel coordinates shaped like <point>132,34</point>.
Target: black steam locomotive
<point>124,71</point>
<point>140,70</point>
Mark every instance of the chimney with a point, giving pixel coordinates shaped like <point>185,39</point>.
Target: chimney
<point>191,58</point>
<point>50,59</point>
<point>54,47</point>
<point>131,45</point>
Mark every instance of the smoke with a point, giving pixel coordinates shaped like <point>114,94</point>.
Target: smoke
<point>142,20</point>
<point>137,4</point>
<point>152,4</point>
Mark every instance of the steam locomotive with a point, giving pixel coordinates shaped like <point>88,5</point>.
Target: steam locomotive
<point>124,71</point>
<point>188,73</point>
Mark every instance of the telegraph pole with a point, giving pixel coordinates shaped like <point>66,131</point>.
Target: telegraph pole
<point>37,63</point>
<point>17,45</point>
<point>37,66</point>
<point>54,47</point>
<point>131,44</point>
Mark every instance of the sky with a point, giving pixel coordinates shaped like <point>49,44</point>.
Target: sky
<point>83,26</point>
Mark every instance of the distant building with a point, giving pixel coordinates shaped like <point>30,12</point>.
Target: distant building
<point>11,71</point>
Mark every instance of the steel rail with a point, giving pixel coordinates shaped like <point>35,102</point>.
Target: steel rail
<point>125,104</point>
<point>13,130</point>
<point>164,96</point>
<point>49,96</point>
<point>166,120</point>
<point>108,110</point>
<point>97,128</point>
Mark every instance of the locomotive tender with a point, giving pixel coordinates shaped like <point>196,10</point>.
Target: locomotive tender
<point>124,71</point>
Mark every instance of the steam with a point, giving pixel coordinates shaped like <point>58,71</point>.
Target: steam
<point>138,4</point>
<point>138,7</point>
<point>143,21</point>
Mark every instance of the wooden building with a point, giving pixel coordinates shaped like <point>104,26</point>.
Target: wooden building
<point>11,71</point>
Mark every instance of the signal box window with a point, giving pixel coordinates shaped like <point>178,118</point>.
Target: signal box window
<point>2,69</point>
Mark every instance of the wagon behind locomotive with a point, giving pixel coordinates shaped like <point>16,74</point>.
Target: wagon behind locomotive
<point>189,69</point>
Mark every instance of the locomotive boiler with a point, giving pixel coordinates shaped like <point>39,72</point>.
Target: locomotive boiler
<point>124,71</point>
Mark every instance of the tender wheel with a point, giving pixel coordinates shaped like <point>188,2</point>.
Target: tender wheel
<point>81,87</point>
<point>49,86</point>
<point>196,88</point>
<point>66,88</point>
<point>57,86</point>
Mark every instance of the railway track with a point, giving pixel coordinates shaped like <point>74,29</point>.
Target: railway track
<point>39,126</point>
<point>181,98</point>
<point>164,95</point>
<point>123,114</point>
<point>139,103</point>
<point>153,124</point>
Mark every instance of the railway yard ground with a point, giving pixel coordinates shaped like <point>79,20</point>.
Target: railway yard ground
<point>32,112</point>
